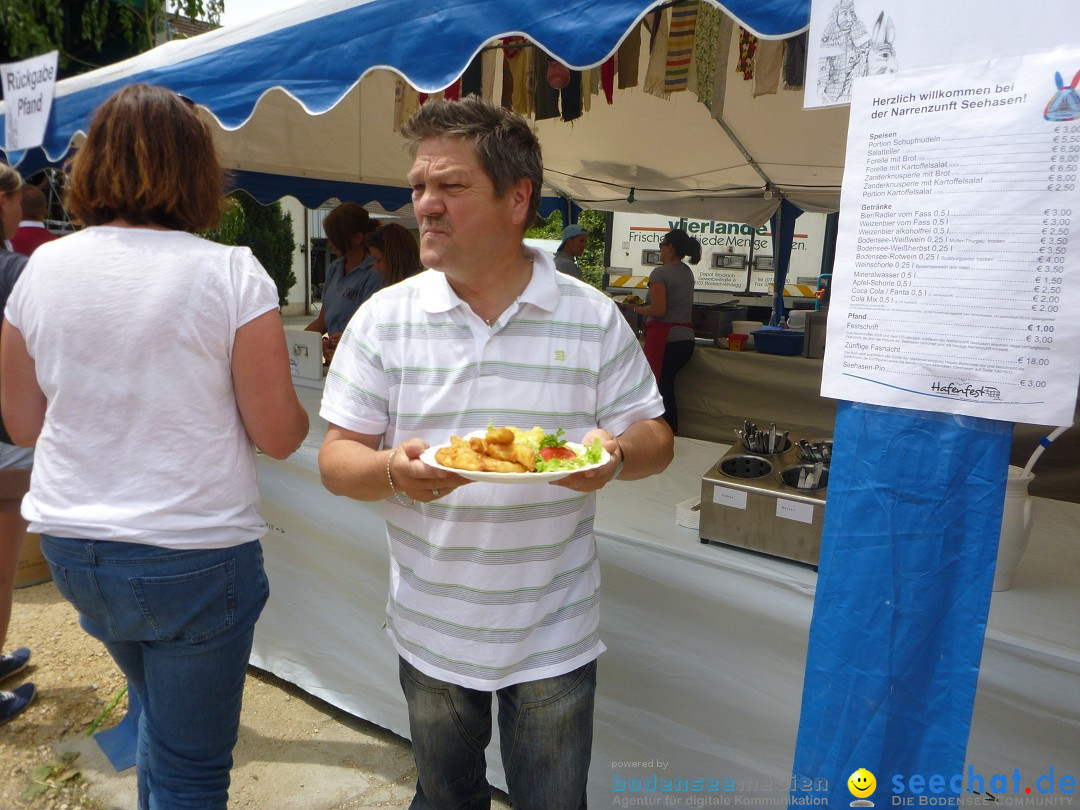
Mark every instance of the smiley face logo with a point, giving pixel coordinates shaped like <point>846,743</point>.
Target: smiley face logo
<point>861,783</point>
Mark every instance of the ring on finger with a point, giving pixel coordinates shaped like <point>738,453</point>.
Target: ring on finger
<point>436,493</point>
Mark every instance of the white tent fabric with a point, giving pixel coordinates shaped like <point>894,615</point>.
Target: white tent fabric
<point>308,94</point>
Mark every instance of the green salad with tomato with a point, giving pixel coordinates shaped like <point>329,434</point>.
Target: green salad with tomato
<point>554,454</point>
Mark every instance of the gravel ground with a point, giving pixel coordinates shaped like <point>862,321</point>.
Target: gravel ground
<point>294,750</point>
<point>75,679</point>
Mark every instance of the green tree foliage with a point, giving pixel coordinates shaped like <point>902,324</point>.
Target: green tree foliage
<point>267,230</point>
<point>90,33</point>
<point>591,261</point>
<point>231,227</point>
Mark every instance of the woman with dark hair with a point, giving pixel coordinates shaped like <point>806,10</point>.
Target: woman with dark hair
<point>148,364</point>
<point>669,330</point>
<point>395,252</point>
<point>351,279</point>
<point>15,463</point>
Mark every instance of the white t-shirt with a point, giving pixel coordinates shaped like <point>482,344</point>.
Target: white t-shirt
<point>131,331</point>
<point>494,584</point>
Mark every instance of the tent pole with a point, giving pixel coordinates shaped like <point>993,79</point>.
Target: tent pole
<point>769,185</point>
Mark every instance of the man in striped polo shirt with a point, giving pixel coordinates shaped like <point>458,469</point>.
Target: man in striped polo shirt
<point>493,588</point>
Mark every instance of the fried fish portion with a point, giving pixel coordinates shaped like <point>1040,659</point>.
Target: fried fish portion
<point>500,466</point>
<point>499,436</point>
<point>460,455</point>
<point>496,452</point>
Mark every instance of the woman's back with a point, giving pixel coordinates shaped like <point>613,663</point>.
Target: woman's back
<point>678,281</point>
<point>131,330</point>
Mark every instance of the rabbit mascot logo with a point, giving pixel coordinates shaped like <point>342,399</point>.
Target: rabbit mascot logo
<point>1065,105</point>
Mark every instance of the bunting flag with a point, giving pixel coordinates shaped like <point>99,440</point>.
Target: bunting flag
<point>453,92</point>
<point>680,45</point>
<point>747,46</point>
<point>590,86</point>
<point>904,583</point>
<point>518,91</point>
<point>406,102</point>
<point>471,78</point>
<point>570,97</point>
<point>795,62</point>
<point>712,53</point>
<point>768,62</point>
<point>506,98</point>
<point>489,64</point>
<point>657,69</point>
<point>627,58</point>
<point>545,97</point>
<point>607,79</point>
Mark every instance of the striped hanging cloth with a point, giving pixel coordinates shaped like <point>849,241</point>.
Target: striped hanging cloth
<point>680,45</point>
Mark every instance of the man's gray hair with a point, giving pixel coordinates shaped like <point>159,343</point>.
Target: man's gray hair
<point>506,145</point>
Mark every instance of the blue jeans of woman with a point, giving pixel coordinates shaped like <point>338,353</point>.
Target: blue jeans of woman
<point>179,624</point>
<point>545,736</point>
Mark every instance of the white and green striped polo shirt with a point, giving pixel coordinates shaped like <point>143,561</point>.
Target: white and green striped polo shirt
<point>494,584</point>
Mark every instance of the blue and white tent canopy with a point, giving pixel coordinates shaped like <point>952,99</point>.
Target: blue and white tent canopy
<point>306,97</point>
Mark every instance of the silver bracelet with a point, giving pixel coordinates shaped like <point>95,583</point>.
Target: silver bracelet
<point>399,495</point>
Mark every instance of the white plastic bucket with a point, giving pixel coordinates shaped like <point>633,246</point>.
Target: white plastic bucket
<point>1015,527</point>
<point>746,328</point>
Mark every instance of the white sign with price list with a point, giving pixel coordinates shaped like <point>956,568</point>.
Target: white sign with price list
<point>956,286</point>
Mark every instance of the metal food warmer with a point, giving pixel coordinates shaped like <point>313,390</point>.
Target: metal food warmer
<point>767,494</point>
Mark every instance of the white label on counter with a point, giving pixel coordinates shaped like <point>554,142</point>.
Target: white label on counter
<point>955,287</point>
<point>734,498</point>
<point>795,510</point>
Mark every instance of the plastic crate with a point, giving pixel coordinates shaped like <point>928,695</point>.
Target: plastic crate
<point>780,341</point>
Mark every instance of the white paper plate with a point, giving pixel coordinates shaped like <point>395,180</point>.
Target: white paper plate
<point>428,457</point>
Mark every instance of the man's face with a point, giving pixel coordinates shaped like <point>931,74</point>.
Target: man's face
<point>463,225</point>
<point>575,245</point>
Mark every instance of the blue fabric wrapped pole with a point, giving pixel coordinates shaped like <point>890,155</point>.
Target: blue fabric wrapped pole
<point>783,228</point>
<point>904,583</point>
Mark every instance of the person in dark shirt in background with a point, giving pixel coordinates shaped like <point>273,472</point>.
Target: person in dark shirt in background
<point>574,239</point>
<point>32,231</point>
<point>14,464</point>
<point>350,279</point>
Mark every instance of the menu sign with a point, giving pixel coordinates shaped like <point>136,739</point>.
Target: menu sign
<point>956,285</point>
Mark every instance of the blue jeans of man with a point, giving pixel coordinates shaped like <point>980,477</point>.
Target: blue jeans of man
<point>545,735</point>
<point>179,624</point>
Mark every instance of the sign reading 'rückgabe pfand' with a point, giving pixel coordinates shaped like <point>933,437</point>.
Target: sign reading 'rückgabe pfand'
<point>28,94</point>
